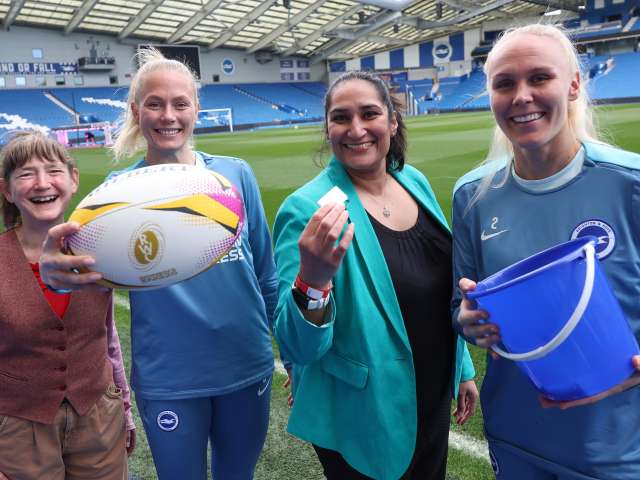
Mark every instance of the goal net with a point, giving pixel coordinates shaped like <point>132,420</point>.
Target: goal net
<point>221,118</point>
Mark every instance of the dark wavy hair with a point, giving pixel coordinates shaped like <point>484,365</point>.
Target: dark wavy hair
<point>22,147</point>
<point>398,147</point>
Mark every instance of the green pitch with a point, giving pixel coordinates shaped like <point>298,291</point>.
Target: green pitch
<point>442,146</point>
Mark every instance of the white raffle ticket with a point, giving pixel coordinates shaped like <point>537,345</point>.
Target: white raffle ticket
<point>335,195</point>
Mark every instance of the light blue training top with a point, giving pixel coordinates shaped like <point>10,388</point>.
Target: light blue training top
<point>210,335</point>
<point>598,193</point>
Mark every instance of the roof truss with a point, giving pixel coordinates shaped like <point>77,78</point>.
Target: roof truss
<point>318,29</point>
<point>82,12</point>
<point>266,5</point>
<point>267,39</point>
<point>140,18</point>
<point>194,20</point>
<point>16,6</point>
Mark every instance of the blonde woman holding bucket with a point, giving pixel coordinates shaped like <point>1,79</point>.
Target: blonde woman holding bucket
<point>548,179</point>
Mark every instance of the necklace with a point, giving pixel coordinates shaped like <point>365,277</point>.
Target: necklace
<point>386,212</point>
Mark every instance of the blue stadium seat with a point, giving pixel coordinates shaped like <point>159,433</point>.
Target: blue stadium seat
<point>103,103</point>
<point>620,81</point>
<point>29,109</point>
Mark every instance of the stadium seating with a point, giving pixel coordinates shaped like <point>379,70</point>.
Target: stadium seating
<point>620,80</point>
<point>300,103</point>
<point>633,25</point>
<point>454,93</point>
<point>105,104</point>
<point>595,31</point>
<point>612,77</point>
<point>250,103</point>
<point>261,103</point>
<point>30,109</point>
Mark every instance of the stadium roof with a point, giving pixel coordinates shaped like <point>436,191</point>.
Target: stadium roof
<point>324,29</point>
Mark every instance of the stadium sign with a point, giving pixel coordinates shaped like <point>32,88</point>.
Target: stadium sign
<point>228,67</point>
<point>441,51</point>
<point>18,68</point>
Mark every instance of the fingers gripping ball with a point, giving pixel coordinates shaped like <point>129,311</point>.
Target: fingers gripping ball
<point>155,226</point>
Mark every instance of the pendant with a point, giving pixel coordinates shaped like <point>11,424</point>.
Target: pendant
<point>386,212</point>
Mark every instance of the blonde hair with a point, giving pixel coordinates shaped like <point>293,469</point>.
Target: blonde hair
<point>22,147</point>
<point>580,115</point>
<point>129,138</point>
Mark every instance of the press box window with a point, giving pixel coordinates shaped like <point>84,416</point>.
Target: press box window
<point>60,80</point>
<point>3,82</point>
<point>41,81</point>
<point>21,81</point>
<point>37,53</point>
<point>78,80</point>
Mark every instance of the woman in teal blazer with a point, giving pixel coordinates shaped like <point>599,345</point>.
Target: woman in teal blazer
<point>342,324</point>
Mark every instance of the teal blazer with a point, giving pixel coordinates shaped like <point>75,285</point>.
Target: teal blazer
<point>354,380</point>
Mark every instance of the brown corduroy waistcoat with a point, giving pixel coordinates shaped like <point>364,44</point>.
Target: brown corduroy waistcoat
<point>43,358</point>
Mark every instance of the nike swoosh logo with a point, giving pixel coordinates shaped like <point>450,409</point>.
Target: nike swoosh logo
<point>484,236</point>
<point>261,390</point>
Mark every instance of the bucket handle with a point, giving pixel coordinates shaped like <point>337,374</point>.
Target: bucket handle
<point>561,336</point>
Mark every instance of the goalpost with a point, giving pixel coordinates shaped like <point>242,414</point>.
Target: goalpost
<point>215,117</point>
<point>66,135</point>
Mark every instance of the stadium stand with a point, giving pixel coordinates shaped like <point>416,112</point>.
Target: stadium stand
<point>619,79</point>
<point>633,25</point>
<point>288,98</point>
<point>250,103</point>
<point>246,109</point>
<point>104,104</point>
<point>316,89</point>
<point>596,31</point>
<point>454,93</point>
<point>421,88</point>
<point>30,109</point>
<point>612,77</point>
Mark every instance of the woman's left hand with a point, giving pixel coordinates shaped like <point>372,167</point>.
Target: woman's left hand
<point>632,381</point>
<point>467,401</point>
<point>130,442</point>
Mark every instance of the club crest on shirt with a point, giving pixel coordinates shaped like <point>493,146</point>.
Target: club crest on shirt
<point>602,231</point>
<point>168,420</point>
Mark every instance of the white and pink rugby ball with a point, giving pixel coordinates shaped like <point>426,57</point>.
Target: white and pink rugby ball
<point>155,226</point>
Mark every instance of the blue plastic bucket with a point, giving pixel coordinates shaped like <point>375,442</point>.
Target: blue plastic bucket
<point>560,321</point>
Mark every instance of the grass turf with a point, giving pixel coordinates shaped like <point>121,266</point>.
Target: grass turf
<point>442,146</point>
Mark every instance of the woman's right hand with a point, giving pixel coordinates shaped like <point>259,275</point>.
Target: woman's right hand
<point>320,257</point>
<point>472,320</point>
<point>57,268</point>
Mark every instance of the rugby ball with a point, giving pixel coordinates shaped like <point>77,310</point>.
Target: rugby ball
<point>155,226</point>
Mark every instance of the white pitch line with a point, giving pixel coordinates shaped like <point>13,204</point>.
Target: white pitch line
<point>121,301</point>
<point>459,441</point>
<point>279,367</point>
<point>469,445</point>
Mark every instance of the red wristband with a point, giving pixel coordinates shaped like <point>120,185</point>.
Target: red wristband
<point>309,291</point>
